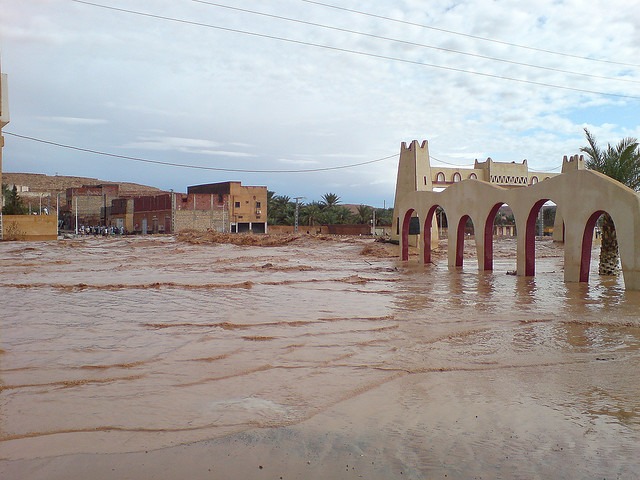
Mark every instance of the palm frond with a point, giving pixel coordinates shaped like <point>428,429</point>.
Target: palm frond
<point>622,162</point>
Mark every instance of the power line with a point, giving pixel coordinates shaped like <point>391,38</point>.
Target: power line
<point>466,165</point>
<point>476,37</point>
<point>412,44</point>
<point>447,163</point>
<point>199,167</point>
<point>235,170</point>
<point>355,52</point>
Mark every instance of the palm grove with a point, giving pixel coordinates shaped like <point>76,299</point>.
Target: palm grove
<point>327,211</point>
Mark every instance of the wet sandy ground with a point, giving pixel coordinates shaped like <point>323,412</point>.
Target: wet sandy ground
<point>157,358</point>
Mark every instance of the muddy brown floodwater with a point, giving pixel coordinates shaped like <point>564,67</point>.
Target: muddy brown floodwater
<point>151,357</point>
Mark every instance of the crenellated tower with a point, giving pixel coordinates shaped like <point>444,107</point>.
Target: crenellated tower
<point>575,162</point>
<point>414,174</point>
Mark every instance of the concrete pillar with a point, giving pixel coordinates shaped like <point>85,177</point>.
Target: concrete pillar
<point>631,279</point>
<point>479,231</point>
<point>572,255</point>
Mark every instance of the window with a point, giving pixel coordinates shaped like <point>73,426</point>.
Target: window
<point>258,204</point>
<point>474,176</point>
<point>237,204</point>
<point>440,177</point>
<point>456,177</point>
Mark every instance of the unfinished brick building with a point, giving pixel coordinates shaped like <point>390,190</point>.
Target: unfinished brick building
<point>223,207</point>
<point>89,204</point>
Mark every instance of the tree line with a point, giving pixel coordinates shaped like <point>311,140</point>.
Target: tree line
<point>326,211</point>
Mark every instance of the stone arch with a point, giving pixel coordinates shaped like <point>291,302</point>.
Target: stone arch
<point>534,180</point>
<point>530,238</point>
<point>456,177</point>
<point>473,176</point>
<point>404,232</point>
<point>440,178</point>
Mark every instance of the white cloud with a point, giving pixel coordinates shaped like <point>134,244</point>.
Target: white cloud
<point>186,145</point>
<point>179,90</point>
<point>297,161</point>
<point>74,120</point>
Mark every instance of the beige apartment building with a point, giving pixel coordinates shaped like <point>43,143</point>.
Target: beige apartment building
<point>223,207</point>
<point>246,205</point>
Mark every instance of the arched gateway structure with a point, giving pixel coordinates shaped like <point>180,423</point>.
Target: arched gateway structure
<point>580,195</point>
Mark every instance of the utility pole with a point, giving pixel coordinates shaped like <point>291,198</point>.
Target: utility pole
<point>295,223</point>
<point>173,211</point>
<point>373,222</point>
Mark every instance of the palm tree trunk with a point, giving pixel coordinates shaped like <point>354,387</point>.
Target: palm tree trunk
<point>609,248</point>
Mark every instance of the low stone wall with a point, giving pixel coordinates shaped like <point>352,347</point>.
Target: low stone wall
<point>346,229</point>
<point>30,227</point>
<point>288,229</point>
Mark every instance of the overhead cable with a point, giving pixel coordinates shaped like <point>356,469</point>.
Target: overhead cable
<point>413,44</point>
<point>356,52</point>
<point>198,167</point>
<point>476,37</point>
<point>235,170</point>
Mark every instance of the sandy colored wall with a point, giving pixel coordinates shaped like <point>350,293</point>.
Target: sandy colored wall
<point>201,220</point>
<point>30,227</point>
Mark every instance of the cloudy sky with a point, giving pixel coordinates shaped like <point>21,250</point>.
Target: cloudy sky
<point>309,97</point>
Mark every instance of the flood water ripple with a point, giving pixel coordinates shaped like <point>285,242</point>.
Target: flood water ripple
<point>137,344</point>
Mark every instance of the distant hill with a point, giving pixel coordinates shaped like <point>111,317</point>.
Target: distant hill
<point>53,184</point>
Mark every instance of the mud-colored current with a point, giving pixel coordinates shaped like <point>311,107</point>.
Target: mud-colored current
<point>153,358</point>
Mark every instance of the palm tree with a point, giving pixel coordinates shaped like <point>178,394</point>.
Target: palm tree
<point>622,163</point>
<point>280,209</point>
<point>310,213</point>
<point>341,215</point>
<point>364,214</point>
<point>384,216</point>
<point>330,200</point>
